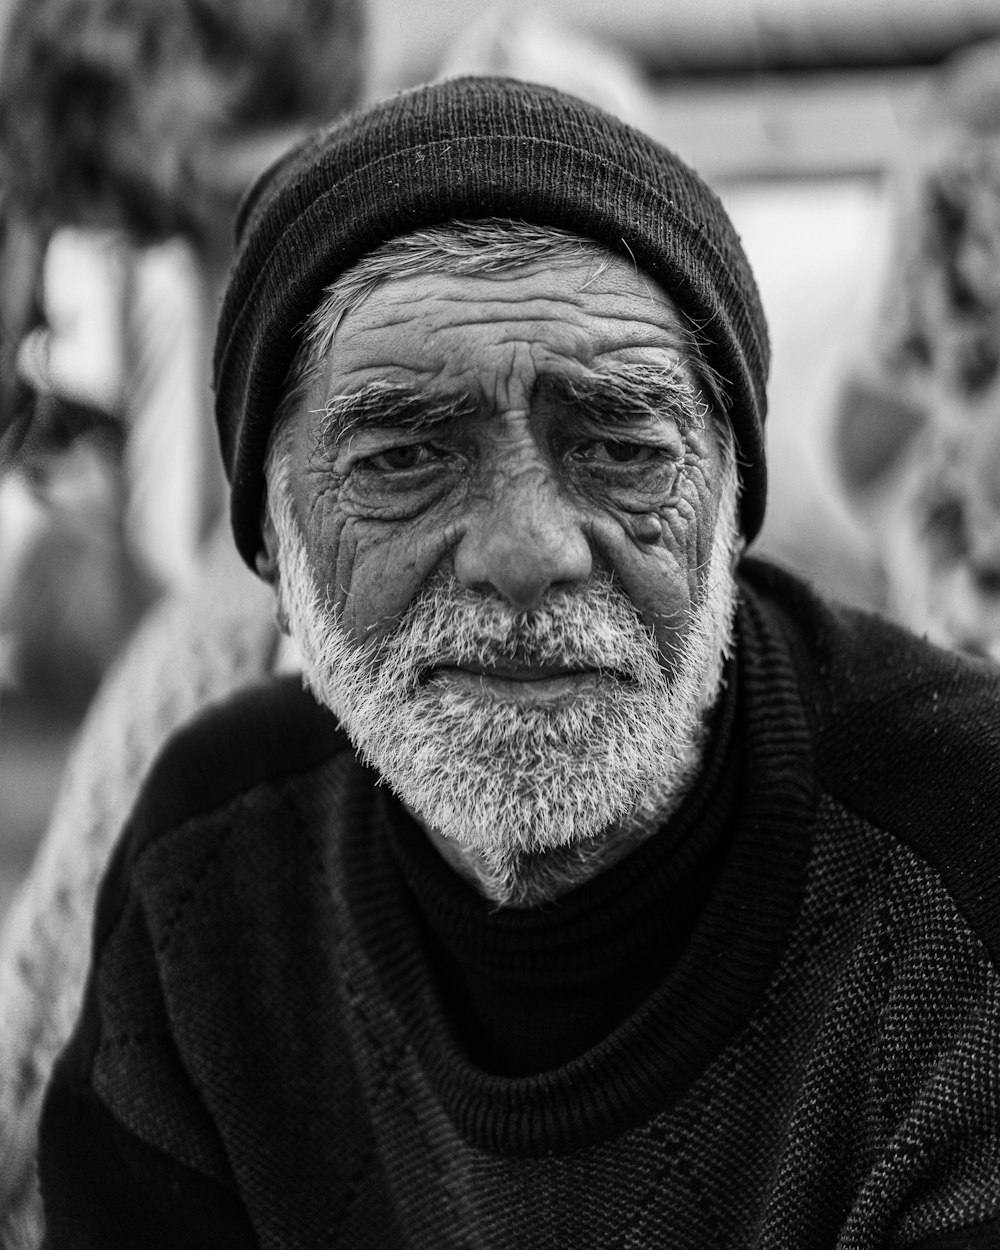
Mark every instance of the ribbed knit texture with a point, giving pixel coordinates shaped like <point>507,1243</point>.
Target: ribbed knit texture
<point>266,1060</point>
<point>464,149</point>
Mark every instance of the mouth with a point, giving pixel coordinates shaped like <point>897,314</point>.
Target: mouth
<point>541,684</point>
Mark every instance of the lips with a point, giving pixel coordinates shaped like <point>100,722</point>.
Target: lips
<point>514,672</point>
<point>524,685</point>
<point>545,684</point>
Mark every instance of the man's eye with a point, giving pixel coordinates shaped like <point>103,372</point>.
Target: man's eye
<point>616,451</point>
<point>407,456</point>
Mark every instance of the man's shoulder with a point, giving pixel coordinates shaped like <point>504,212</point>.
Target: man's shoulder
<point>905,735</point>
<point>212,880</point>
<point>865,675</point>
<point>265,734</point>
<point>242,769</point>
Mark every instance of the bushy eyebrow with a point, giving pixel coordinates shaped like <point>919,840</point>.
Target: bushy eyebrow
<point>625,394</point>
<point>392,405</point>
<point>628,394</point>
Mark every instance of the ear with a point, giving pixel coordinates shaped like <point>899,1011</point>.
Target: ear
<point>266,564</point>
<point>738,550</point>
<point>266,560</point>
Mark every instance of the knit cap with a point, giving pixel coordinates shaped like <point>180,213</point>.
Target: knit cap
<point>458,150</point>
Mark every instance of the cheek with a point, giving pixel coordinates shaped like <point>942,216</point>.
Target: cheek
<point>661,561</point>
<point>655,578</point>
<point>373,570</point>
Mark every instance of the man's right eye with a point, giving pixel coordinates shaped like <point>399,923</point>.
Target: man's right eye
<point>407,456</point>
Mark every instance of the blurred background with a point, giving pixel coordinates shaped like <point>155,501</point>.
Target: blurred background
<point>856,143</point>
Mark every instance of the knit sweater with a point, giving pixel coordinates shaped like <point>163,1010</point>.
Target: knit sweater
<point>270,1055</point>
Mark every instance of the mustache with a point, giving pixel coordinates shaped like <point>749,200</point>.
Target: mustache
<point>594,627</point>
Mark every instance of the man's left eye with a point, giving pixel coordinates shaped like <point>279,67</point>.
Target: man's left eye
<point>616,451</point>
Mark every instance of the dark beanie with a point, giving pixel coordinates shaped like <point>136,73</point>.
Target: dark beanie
<point>457,150</point>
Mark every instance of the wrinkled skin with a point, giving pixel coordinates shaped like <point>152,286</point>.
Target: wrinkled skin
<point>521,491</point>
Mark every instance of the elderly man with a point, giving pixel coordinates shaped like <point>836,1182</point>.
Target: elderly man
<point>592,893</point>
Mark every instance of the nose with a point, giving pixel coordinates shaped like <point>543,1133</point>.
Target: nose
<point>524,543</point>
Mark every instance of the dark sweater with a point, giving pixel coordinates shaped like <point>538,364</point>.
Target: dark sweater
<point>298,1030</point>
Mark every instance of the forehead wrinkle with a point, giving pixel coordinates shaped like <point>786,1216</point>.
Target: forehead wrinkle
<point>520,315</point>
<point>668,325</point>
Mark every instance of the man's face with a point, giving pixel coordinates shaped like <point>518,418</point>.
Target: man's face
<point>489,431</point>
<point>495,546</point>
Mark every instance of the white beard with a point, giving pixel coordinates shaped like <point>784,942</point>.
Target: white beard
<point>503,780</point>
